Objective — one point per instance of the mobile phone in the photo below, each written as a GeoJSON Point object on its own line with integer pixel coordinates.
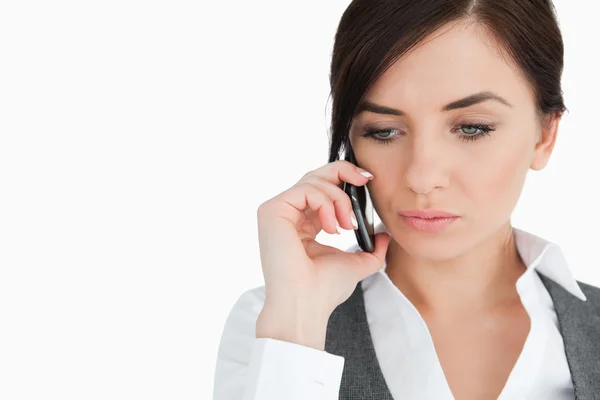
{"type": "Point", "coordinates": [363, 208]}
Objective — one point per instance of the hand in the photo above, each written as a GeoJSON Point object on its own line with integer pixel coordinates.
{"type": "Point", "coordinates": [305, 280]}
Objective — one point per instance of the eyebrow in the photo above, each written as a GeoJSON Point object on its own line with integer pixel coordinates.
{"type": "Point", "coordinates": [462, 103]}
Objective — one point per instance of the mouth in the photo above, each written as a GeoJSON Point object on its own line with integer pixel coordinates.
{"type": "Point", "coordinates": [428, 220]}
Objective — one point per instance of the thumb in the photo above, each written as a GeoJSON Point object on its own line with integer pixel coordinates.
{"type": "Point", "coordinates": [369, 263]}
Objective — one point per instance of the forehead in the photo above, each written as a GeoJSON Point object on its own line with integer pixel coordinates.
{"type": "Point", "coordinates": [455, 61]}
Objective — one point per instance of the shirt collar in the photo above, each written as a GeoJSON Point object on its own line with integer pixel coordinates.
{"type": "Point", "coordinates": [537, 253]}
{"type": "Point", "coordinates": [548, 259]}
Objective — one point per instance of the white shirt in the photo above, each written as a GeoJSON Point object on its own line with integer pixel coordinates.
{"type": "Point", "coordinates": [251, 368]}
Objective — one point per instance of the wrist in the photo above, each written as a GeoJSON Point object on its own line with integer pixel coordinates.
{"type": "Point", "coordinates": [295, 324]}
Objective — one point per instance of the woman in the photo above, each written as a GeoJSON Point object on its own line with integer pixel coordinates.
{"type": "Point", "coordinates": [446, 105]}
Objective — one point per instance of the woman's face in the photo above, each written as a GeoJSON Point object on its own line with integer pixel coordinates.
{"type": "Point", "coordinates": [432, 160]}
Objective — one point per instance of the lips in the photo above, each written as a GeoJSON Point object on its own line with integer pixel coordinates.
{"type": "Point", "coordinates": [427, 214]}
{"type": "Point", "coordinates": [428, 220]}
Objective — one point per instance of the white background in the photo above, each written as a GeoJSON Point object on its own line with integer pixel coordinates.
{"type": "Point", "coordinates": [138, 138]}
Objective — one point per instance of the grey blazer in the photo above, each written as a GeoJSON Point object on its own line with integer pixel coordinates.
{"type": "Point", "coordinates": [348, 335]}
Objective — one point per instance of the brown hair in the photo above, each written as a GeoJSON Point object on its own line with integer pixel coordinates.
{"type": "Point", "coordinates": [373, 34]}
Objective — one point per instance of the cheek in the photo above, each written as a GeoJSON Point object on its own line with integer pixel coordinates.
{"type": "Point", "coordinates": [382, 190]}
{"type": "Point", "coordinates": [496, 182]}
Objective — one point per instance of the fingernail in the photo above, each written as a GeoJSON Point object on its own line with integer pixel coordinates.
{"type": "Point", "coordinates": [366, 174]}
{"type": "Point", "coordinates": [353, 219]}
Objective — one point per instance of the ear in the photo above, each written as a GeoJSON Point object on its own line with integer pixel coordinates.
{"type": "Point", "coordinates": [546, 141]}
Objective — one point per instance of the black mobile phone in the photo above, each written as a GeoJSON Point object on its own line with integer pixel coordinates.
{"type": "Point", "coordinates": [363, 208]}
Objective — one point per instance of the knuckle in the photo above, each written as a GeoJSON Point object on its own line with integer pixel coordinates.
{"type": "Point", "coordinates": [343, 205]}
{"type": "Point", "coordinates": [301, 186]}
{"type": "Point", "coordinates": [304, 186]}
{"type": "Point", "coordinates": [344, 164]}
{"type": "Point", "coordinates": [307, 176]}
{"type": "Point", "coordinates": [312, 180]}
{"type": "Point", "coordinates": [262, 209]}
{"type": "Point", "coordinates": [340, 193]}
{"type": "Point", "coordinates": [345, 200]}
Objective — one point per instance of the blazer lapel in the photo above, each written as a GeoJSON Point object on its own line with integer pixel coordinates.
{"type": "Point", "coordinates": [579, 324]}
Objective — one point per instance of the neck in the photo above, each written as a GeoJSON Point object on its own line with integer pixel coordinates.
{"type": "Point", "coordinates": [482, 278]}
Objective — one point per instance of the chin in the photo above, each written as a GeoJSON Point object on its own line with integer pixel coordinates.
{"type": "Point", "coordinates": [435, 247]}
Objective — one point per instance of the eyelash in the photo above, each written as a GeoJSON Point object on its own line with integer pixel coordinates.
{"type": "Point", "coordinates": [484, 131]}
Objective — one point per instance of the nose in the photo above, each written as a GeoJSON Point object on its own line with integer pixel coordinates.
{"type": "Point", "coordinates": [426, 169]}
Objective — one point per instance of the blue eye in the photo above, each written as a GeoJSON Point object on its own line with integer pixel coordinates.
{"type": "Point", "coordinates": [471, 132]}
{"type": "Point", "coordinates": [379, 135]}
{"type": "Point", "coordinates": [484, 130]}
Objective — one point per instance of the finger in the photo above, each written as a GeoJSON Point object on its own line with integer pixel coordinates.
{"type": "Point", "coordinates": [341, 201]}
{"type": "Point", "coordinates": [292, 203]}
{"type": "Point", "coordinates": [311, 226]}
{"type": "Point", "coordinates": [341, 171]}
{"type": "Point", "coordinates": [369, 263]}
{"type": "Point", "coordinates": [315, 249]}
